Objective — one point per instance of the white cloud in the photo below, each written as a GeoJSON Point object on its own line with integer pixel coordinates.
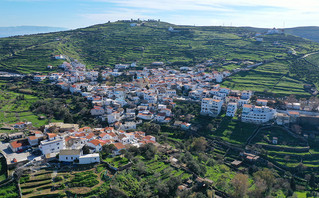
{"type": "Point", "coordinates": [261, 13]}
{"type": "Point", "coordinates": [305, 5]}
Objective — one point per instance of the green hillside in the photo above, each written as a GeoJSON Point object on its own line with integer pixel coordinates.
{"type": "Point", "coordinates": [113, 43]}
{"type": "Point", "coordinates": [307, 32]}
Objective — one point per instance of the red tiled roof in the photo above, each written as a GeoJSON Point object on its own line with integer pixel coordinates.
{"type": "Point", "coordinates": [102, 135]}
{"type": "Point", "coordinates": [16, 144]}
{"type": "Point", "coordinates": [90, 135]}
{"type": "Point", "coordinates": [51, 135]}
{"type": "Point", "coordinates": [119, 146]}
{"type": "Point", "coordinates": [79, 135]}
{"type": "Point", "coordinates": [32, 137]}
{"type": "Point", "coordinates": [112, 134]}
{"type": "Point", "coordinates": [97, 142]}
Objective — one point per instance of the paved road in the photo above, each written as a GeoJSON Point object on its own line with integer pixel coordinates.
{"type": "Point", "coordinates": [19, 156]}
{"type": "Point", "coordinates": [305, 56]}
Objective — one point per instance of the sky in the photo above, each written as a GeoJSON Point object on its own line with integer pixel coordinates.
{"type": "Point", "coordinates": [73, 14]}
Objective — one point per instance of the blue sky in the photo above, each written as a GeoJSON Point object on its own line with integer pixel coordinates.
{"type": "Point", "coordinates": [81, 13]}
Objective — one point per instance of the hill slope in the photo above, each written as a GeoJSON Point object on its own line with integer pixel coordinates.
{"type": "Point", "coordinates": [311, 32]}
{"type": "Point", "coordinates": [113, 43]}
{"type": "Point", "coordinates": [307, 32]}
{"type": "Point", "coordinates": [24, 30]}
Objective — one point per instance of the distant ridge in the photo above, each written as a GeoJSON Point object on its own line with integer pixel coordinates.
{"type": "Point", "coordinates": [308, 32]}
{"type": "Point", "coordinates": [25, 30]}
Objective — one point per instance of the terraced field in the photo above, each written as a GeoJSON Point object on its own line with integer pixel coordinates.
{"type": "Point", "coordinates": [269, 78]}
{"type": "Point", "coordinates": [314, 59]}
{"type": "Point", "coordinates": [233, 131]}
{"type": "Point", "coordinates": [290, 151]}
{"type": "Point", "coordinates": [44, 183]}
{"type": "Point", "coordinates": [165, 170]}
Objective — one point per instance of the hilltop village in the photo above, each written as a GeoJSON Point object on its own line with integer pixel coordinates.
{"type": "Point", "coordinates": [150, 96]}
{"type": "Point", "coordinates": [169, 129]}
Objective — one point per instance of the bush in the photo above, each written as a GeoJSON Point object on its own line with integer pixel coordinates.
{"type": "Point", "coordinates": [58, 178]}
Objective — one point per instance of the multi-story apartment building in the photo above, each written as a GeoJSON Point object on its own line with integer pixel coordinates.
{"type": "Point", "coordinates": [257, 114]}
{"type": "Point", "coordinates": [52, 145]}
{"type": "Point", "coordinates": [211, 107]}
{"type": "Point", "coordinates": [231, 109]}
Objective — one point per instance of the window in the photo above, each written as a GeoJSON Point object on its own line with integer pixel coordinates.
{"type": "Point", "coordinates": [71, 158]}
{"type": "Point", "coordinates": [57, 143]}
{"type": "Point", "coordinates": [66, 157]}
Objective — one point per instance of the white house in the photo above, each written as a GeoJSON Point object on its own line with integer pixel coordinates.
{"type": "Point", "coordinates": [118, 147]}
{"type": "Point", "coordinates": [69, 155]}
{"type": "Point", "coordinates": [146, 115]}
{"type": "Point", "coordinates": [17, 145]}
{"type": "Point", "coordinates": [60, 57]}
{"type": "Point", "coordinates": [20, 125]}
{"type": "Point", "coordinates": [96, 144]}
{"type": "Point", "coordinates": [122, 66]}
{"type": "Point", "coordinates": [113, 117]}
{"type": "Point", "coordinates": [167, 112]}
{"type": "Point", "coordinates": [97, 111]}
{"type": "Point", "coordinates": [224, 90]}
{"type": "Point", "coordinates": [242, 102]}
{"type": "Point", "coordinates": [295, 106]}
{"type": "Point", "coordinates": [53, 145]}
{"type": "Point", "coordinates": [128, 126]}
{"type": "Point", "coordinates": [89, 158]}
{"type": "Point", "coordinates": [262, 102]}
{"type": "Point", "coordinates": [246, 94]}
{"type": "Point", "coordinates": [282, 119]}
{"type": "Point", "coordinates": [33, 140]}
{"type": "Point", "coordinates": [160, 117]}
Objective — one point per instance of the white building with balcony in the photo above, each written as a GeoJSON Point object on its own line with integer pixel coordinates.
{"type": "Point", "coordinates": [257, 114]}
{"type": "Point", "coordinates": [53, 145]}
{"type": "Point", "coordinates": [211, 107]}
